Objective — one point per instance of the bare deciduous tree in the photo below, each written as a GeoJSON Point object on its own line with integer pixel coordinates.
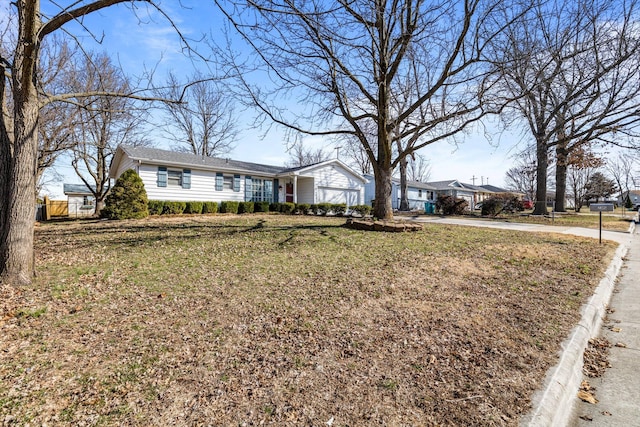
{"type": "Point", "coordinates": [299, 155]}
{"type": "Point", "coordinates": [574, 69]}
{"type": "Point", "coordinates": [20, 89]}
{"type": "Point", "coordinates": [582, 164]}
{"type": "Point", "coordinates": [413, 71]}
{"type": "Point", "coordinates": [104, 122]}
{"type": "Point", "coordinates": [622, 168]}
{"type": "Point", "coordinates": [204, 122]}
{"type": "Point", "coordinates": [522, 176]}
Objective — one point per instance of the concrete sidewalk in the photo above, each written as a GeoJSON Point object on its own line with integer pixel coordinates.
{"type": "Point", "coordinates": [618, 390]}
{"type": "Point", "coordinates": [556, 403]}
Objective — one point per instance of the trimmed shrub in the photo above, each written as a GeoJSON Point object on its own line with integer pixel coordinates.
{"type": "Point", "coordinates": [245, 207]}
{"type": "Point", "coordinates": [209, 207]}
{"type": "Point", "coordinates": [313, 209]}
{"type": "Point", "coordinates": [288, 208]}
{"type": "Point", "coordinates": [155, 207]}
{"type": "Point", "coordinates": [275, 207]}
{"type": "Point", "coordinates": [193, 208]}
{"type": "Point", "coordinates": [339, 209]}
{"type": "Point", "coordinates": [449, 205]}
{"type": "Point", "coordinates": [261, 207]}
{"type": "Point", "coordinates": [323, 208]}
{"type": "Point", "coordinates": [174, 208]}
{"type": "Point", "coordinates": [502, 203]}
{"type": "Point", "coordinates": [362, 210]}
{"type": "Point", "coordinates": [302, 208]}
{"type": "Point", "coordinates": [229, 207]}
{"type": "Point", "coordinates": [127, 199]}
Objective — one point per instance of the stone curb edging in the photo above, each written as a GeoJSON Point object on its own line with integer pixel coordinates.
{"type": "Point", "coordinates": [554, 404]}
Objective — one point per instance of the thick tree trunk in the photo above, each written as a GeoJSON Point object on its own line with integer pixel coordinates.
{"type": "Point", "coordinates": [16, 247]}
{"type": "Point", "coordinates": [404, 197]}
{"type": "Point", "coordinates": [561, 177]}
{"type": "Point", "coordinates": [540, 207]}
{"type": "Point", "coordinates": [383, 208]}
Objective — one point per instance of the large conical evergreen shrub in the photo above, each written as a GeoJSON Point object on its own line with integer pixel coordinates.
{"type": "Point", "coordinates": [127, 199]}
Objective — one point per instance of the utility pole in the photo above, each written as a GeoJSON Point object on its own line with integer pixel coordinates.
{"type": "Point", "coordinates": [473, 180]}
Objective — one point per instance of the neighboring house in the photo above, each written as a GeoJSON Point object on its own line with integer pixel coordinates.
{"type": "Point", "coordinates": [80, 200]}
{"type": "Point", "coordinates": [458, 190]}
{"type": "Point", "coordinates": [417, 192]}
{"type": "Point", "coordinates": [175, 176]}
{"type": "Point", "coordinates": [634, 195]}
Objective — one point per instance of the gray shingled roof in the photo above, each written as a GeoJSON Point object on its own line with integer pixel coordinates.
{"type": "Point", "coordinates": [416, 184]}
{"type": "Point", "coordinates": [157, 155]}
{"type": "Point", "coordinates": [75, 189]}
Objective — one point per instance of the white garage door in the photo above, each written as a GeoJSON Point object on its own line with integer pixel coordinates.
{"type": "Point", "coordinates": [338, 195]}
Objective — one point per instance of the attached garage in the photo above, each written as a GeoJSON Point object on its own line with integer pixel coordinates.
{"type": "Point", "coordinates": [350, 197]}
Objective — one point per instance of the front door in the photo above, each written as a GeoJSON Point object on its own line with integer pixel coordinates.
{"type": "Point", "coordinates": [288, 195]}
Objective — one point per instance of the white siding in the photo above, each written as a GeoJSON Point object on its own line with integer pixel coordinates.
{"type": "Point", "coordinates": [125, 165]}
{"type": "Point", "coordinates": [203, 187]}
{"type": "Point", "coordinates": [335, 178]}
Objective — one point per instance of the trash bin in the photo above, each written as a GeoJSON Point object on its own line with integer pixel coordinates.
{"type": "Point", "coordinates": [429, 208]}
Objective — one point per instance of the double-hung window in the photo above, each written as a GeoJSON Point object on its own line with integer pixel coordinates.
{"type": "Point", "coordinates": [174, 177]}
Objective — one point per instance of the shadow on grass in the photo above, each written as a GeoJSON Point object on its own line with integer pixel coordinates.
{"type": "Point", "coordinates": [113, 233]}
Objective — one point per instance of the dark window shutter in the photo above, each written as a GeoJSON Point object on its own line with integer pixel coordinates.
{"type": "Point", "coordinates": [162, 176]}
{"type": "Point", "coordinates": [276, 190]}
{"type": "Point", "coordinates": [219, 181]}
{"type": "Point", "coordinates": [186, 179]}
{"type": "Point", "coordinates": [236, 183]}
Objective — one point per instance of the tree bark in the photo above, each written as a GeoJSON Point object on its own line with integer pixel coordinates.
{"type": "Point", "coordinates": [541, 174]}
{"type": "Point", "coordinates": [383, 208]}
{"type": "Point", "coordinates": [404, 197]}
{"type": "Point", "coordinates": [16, 247]}
{"type": "Point", "coordinates": [561, 177]}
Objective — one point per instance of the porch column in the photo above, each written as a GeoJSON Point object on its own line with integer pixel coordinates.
{"type": "Point", "coordinates": [295, 188]}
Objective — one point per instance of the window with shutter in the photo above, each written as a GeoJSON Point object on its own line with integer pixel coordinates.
{"type": "Point", "coordinates": [236, 183]}
{"type": "Point", "coordinates": [186, 179]}
{"type": "Point", "coordinates": [219, 181]}
{"type": "Point", "coordinates": [162, 176]}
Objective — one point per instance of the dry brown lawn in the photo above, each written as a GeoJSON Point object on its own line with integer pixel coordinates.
{"type": "Point", "coordinates": [252, 320]}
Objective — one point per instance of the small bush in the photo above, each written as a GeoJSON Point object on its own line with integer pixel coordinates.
{"type": "Point", "coordinates": [209, 207]}
{"type": "Point", "coordinates": [302, 208]}
{"type": "Point", "coordinates": [229, 207]}
{"type": "Point", "coordinates": [261, 207]}
{"type": "Point", "coordinates": [449, 205]}
{"type": "Point", "coordinates": [287, 208]}
{"type": "Point", "coordinates": [324, 208]}
{"type": "Point", "coordinates": [193, 208]}
{"type": "Point", "coordinates": [174, 208]}
{"type": "Point", "coordinates": [362, 210]}
{"type": "Point", "coordinates": [502, 203]}
{"type": "Point", "coordinates": [275, 207]}
{"type": "Point", "coordinates": [339, 209]}
{"type": "Point", "coordinates": [127, 199]}
{"type": "Point", "coordinates": [245, 207]}
{"type": "Point", "coordinates": [313, 209]}
{"type": "Point", "coordinates": [155, 207]}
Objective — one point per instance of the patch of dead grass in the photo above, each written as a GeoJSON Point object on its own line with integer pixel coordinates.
{"type": "Point", "coordinates": [232, 320]}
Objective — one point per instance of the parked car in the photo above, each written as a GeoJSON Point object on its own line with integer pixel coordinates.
{"type": "Point", "coordinates": [527, 204]}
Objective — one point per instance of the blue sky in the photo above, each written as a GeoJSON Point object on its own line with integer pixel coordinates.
{"type": "Point", "coordinates": [145, 40]}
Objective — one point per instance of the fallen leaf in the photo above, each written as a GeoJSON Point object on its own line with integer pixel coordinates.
{"type": "Point", "coordinates": [586, 418]}
{"type": "Point", "coordinates": [606, 413]}
{"type": "Point", "coordinates": [621, 345]}
{"type": "Point", "coordinates": [587, 397]}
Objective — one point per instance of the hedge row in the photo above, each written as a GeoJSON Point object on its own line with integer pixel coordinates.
{"type": "Point", "coordinates": [160, 207]}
